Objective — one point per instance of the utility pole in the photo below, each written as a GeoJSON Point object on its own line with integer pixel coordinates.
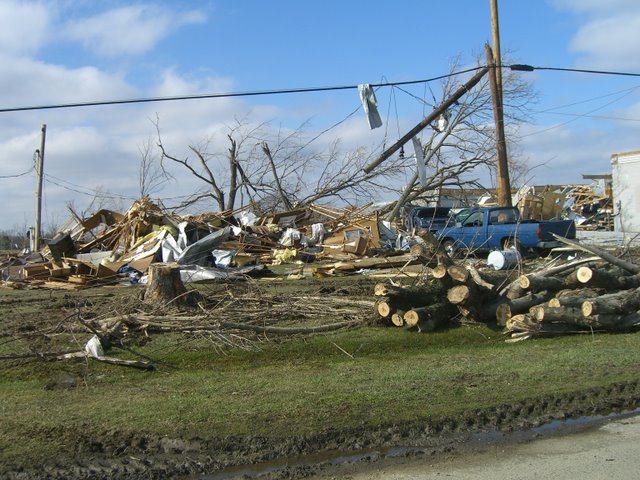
{"type": "Point", "coordinates": [495, 40]}
{"type": "Point", "coordinates": [502, 174]}
{"type": "Point", "coordinates": [39, 172]}
{"type": "Point", "coordinates": [495, 81]}
{"type": "Point", "coordinates": [428, 119]}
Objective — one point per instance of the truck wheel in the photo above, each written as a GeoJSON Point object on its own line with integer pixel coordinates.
{"type": "Point", "coordinates": [450, 247]}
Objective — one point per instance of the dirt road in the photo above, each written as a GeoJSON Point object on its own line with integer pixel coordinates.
{"type": "Point", "coordinates": [609, 451]}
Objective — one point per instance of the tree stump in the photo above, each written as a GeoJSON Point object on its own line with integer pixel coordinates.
{"type": "Point", "coordinates": [165, 286]}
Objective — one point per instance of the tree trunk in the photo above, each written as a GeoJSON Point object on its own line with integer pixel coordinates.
{"type": "Point", "coordinates": [598, 278]}
{"type": "Point", "coordinates": [538, 284]}
{"type": "Point", "coordinates": [615, 303]}
{"type": "Point", "coordinates": [165, 286]}
{"type": "Point", "coordinates": [427, 319]}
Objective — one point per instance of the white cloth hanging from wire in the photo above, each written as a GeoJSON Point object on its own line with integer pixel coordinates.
{"type": "Point", "coordinates": [422, 168]}
{"type": "Point", "coordinates": [370, 104]}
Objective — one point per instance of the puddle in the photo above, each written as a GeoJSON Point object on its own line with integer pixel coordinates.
{"type": "Point", "coordinates": [477, 440]}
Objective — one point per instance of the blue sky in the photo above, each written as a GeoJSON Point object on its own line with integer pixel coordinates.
{"type": "Point", "coordinates": [61, 51]}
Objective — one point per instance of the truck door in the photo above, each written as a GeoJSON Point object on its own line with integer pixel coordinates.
{"type": "Point", "coordinates": [502, 225]}
{"type": "Point", "coordinates": [473, 233]}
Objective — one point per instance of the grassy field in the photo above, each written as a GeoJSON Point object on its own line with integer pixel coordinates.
{"type": "Point", "coordinates": [367, 376]}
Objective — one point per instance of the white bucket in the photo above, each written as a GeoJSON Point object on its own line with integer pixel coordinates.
{"type": "Point", "coordinates": [502, 259]}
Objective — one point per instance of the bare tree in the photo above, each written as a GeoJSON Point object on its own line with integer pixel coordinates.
{"type": "Point", "coordinates": [468, 141]}
{"type": "Point", "coordinates": [151, 176]}
{"type": "Point", "coordinates": [276, 169]}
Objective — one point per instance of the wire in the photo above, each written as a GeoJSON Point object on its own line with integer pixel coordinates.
{"type": "Point", "coordinates": [19, 174]}
{"type": "Point", "coordinates": [229, 94]}
{"type": "Point", "coordinates": [529, 68]}
{"type": "Point", "coordinates": [515, 67]}
{"type": "Point", "coordinates": [577, 117]}
{"type": "Point", "coordinates": [90, 192]}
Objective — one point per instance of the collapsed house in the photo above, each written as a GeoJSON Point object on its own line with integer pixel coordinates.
{"type": "Point", "coordinates": [109, 247]}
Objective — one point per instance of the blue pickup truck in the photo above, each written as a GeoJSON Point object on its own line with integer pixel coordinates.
{"type": "Point", "coordinates": [427, 218]}
{"type": "Point", "coordinates": [499, 228]}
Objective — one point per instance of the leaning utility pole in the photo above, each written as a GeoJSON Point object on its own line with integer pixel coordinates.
{"type": "Point", "coordinates": [502, 165]}
{"type": "Point", "coordinates": [39, 171]}
{"type": "Point", "coordinates": [455, 96]}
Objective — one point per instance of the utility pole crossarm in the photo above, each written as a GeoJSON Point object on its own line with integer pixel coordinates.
{"type": "Point", "coordinates": [428, 119]}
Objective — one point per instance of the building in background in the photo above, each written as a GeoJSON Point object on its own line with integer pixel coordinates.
{"type": "Point", "coordinates": [625, 170]}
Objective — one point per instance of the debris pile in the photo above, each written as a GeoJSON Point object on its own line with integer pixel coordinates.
{"type": "Point", "coordinates": [585, 204]}
{"type": "Point", "coordinates": [111, 247]}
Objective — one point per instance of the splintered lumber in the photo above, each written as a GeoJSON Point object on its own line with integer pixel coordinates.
{"type": "Point", "coordinates": [614, 303]}
{"type": "Point", "coordinates": [428, 318]}
{"type": "Point", "coordinates": [599, 278]}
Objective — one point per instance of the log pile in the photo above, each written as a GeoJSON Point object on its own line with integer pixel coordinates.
{"type": "Point", "coordinates": [599, 293]}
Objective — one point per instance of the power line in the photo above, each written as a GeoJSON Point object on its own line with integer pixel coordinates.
{"type": "Point", "coordinates": [18, 174]}
{"type": "Point", "coordinates": [229, 94]}
{"type": "Point", "coordinates": [519, 67]}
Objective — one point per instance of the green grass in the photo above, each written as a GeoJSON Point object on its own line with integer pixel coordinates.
{"type": "Point", "coordinates": [299, 387]}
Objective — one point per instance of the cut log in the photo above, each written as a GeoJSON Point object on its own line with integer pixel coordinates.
{"type": "Point", "coordinates": [503, 314]}
{"type": "Point", "coordinates": [385, 308]}
{"type": "Point", "coordinates": [599, 278]}
{"type": "Point", "coordinates": [538, 284]}
{"type": "Point", "coordinates": [614, 303]}
{"type": "Point", "coordinates": [397, 318]}
{"type": "Point", "coordinates": [428, 318]}
{"type": "Point", "coordinates": [460, 294]}
{"type": "Point", "coordinates": [502, 309]}
{"type": "Point", "coordinates": [614, 323]}
{"type": "Point", "coordinates": [425, 253]}
{"type": "Point", "coordinates": [513, 290]}
{"type": "Point", "coordinates": [559, 315]}
{"type": "Point", "coordinates": [438, 272]}
{"type": "Point", "coordinates": [458, 273]}
{"type": "Point", "coordinates": [413, 296]}
{"type": "Point", "coordinates": [481, 282]}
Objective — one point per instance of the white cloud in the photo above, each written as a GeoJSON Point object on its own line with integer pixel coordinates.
{"type": "Point", "coordinates": [26, 82]}
{"type": "Point", "coordinates": [23, 26]}
{"type": "Point", "coordinates": [131, 30]}
{"type": "Point", "coordinates": [595, 6]}
{"type": "Point", "coordinates": [611, 42]}
{"type": "Point", "coordinates": [608, 37]}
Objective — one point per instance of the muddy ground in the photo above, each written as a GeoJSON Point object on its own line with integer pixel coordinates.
{"type": "Point", "coordinates": [115, 456]}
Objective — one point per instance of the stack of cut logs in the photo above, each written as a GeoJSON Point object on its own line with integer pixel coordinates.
{"type": "Point", "coordinates": [597, 293]}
